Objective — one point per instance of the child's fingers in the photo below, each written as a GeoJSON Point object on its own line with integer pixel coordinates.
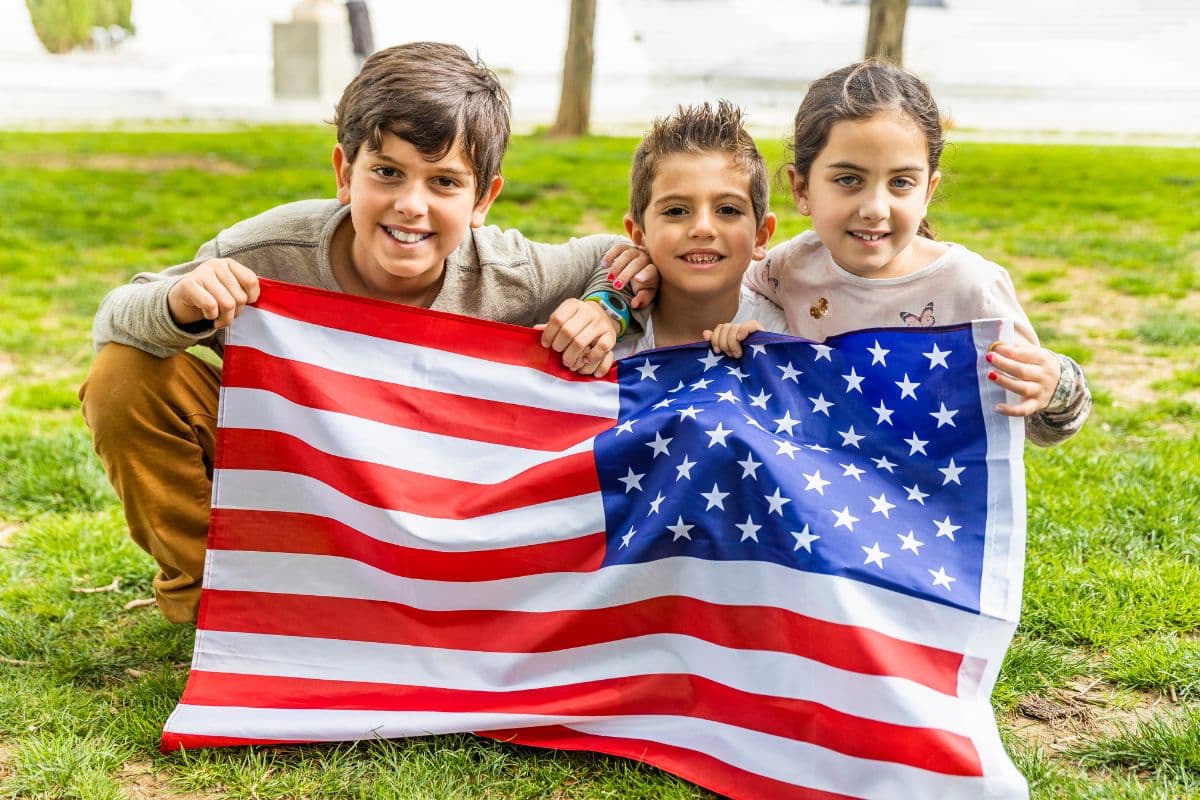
{"type": "Point", "coordinates": [247, 279]}
{"type": "Point", "coordinates": [1030, 393]}
{"type": "Point", "coordinates": [628, 266]}
{"type": "Point", "coordinates": [645, 296]}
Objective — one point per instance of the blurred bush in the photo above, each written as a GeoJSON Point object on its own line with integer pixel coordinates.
{"type": "Point", "coordinates": [63, 25]}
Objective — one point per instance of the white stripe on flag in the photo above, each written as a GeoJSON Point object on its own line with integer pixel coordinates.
{"type": "Point", "coordinates": [265, 490]}
{"type": "Point", "coordinates": [830, 598]}
{"type": "Point", "coordinates": [420, 367]}
{"type": "Point", "coordinates": [887, 699]}
{"type": "Point", "coordinates": [800, 762]}
{"type": "Point", "coordinates": [773, 756]}
{"type": "Point", "coordinates": [348, 436]}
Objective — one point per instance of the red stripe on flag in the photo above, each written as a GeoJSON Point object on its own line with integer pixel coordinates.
{"type": "Point", "coordinates": [507, 344]}
{"type": "Point", "coordinates": [847, 647]}
{"type": "Point", "coordinates": [172, 741]}
{"type": "Point", "coordinates": [675, 695]}
{"type": "Point", "coordinates": [406, 406]}
{"type": "Point", "coordinates": [402, 490]}
{"type": "Point", "coordinates": [288, 532]}
{"type": "Point", "coordinates": [692, 765]}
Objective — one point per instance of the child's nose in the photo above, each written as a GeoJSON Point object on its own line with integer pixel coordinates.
{"type": "Point", "coordinates": [874, 205]}
{"type": "Point", "coordinates": [411, 200]}
{"type": "Point", "coordinates": [702, 224]}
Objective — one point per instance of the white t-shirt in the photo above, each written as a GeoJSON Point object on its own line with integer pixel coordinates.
{"type": "Point", "coordinates": [820, 299]}
{"type": "Point", "coordinates": [750, 306]}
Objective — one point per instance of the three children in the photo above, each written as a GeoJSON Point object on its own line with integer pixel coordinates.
{"type": "Point", "coordinates": [421, 133]}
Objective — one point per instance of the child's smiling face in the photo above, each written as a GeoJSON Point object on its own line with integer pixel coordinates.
{"type": "Point", "coordinates": [699, 226]}
{"type": "Point", "coordinates": [409, 213]}
{"type": "Point", "coordinates": [867, 191]}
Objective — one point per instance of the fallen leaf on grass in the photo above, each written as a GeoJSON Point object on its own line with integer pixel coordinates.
{"type": "Point", "coordinates": [112, 587]}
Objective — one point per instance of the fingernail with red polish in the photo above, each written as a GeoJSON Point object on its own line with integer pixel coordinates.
{"type": "Point", "coordinates": [618, 284]}
{"type": "Point", "coordinates": [987, 358]}
{"type": "Point", "coordinates": [992, 375]}
{"type": "Point", "coordinates": [610, 276]}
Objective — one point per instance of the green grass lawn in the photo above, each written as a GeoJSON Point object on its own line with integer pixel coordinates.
{"type": "Point", "coordinates": [1100, 692]}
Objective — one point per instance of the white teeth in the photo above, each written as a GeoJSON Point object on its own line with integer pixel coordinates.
{"type": "Point", "coordinates": [869, 237]}
{"type": "Point", "coordinates": [405, 237]}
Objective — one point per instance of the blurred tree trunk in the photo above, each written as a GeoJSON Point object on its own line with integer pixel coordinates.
{"type": "Point", "coordinates": [885, 30]}
{"type": "Point", "coordinates": [575, 102]}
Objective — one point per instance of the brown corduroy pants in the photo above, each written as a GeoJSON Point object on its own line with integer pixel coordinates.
{"type": "Point", "coordinates": [154, 424]}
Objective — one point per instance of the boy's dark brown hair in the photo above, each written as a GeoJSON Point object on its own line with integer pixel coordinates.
{"type": "Point", "coordinates": [432, 95]}
{"type": "Point", "coordinates": [698, 129]}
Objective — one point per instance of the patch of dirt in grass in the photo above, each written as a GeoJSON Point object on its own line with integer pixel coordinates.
{"type": "Point", "coordinates": [1094, 314]}
{"type": "Point", "coordinates": [1086, 711]}
{"type": "Point", "coordinates": [5, 760]}
{"type": "Point", "coordinates": [118, 162]}
{"type": "Point", "coordinates": [7, 529]}
{"type": "Point", "coordinates": [141, 781]}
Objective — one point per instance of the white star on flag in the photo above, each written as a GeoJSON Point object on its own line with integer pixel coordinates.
{"type": "Point", "coordinates": [647, 369]}
{"type": "Point", "coordinates": [875, 555]}
{"type": "Point", "coordinates": [749, 529]}
{"type": "Point", "coordinates": [907, 388]}
{"type": "Point", "coordinates": [844, 519]}
{"type": "Point", "coordinates": [937, 357]}
{"type": "Point", "coordinates": [804, 539]}
{"type": "Point", "coordinates": [940, 578]}
{"type": "Point", "coordinates": [715, 498]}
{"type": "Point", "coordinates": [786, 423]}
{"type": "Point", "coordinates": [951, 471]}
{"type": "Point", "coordinates": [680, 529]}
{"type": "Point", "coordinates": [776, 501]}
{"type": "Point", "coordinates": [944, 416]}
{"type": "Point", "coordinates": [946, 528]}
{"type": "Point", "coordinates": [632, 481]}
{"type": "Point", "coordinates": [815, 482]}
{"type": "Point", "coordinates": [790, 373]}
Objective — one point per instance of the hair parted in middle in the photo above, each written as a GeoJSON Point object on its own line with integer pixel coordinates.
{"type": "Point", "coordinates": [860, 91]}
{"type": "Point", "coordinates": [434, 96]}
{"type": "Point", "coordinates": [698, 129]}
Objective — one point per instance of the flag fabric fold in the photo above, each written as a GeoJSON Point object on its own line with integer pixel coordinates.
{"type": "Point", "coordinates": [793, 574]}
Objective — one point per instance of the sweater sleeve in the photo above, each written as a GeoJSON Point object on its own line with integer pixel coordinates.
{"type": "Point", "coordinates": [1068, 408]}
{"type": "Point", "coordinates": [573, 269]}
{"type": "Point", "coordinates": [137, 314]}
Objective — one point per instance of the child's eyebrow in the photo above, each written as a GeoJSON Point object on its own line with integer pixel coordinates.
{"type": "Point", "coordinates": [859, 168]}
{"type": "Point", "coordinates": [462, 173]}
{"type": "Point", "coordinates": [680, 198]}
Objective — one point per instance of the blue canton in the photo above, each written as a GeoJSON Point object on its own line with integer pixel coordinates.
{"type": "Point", "coordinates": [863, 457]}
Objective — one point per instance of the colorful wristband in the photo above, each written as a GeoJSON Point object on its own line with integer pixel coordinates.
{"type": "Point", "coordinates": [615, 306]}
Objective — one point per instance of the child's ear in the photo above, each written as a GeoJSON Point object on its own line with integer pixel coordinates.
{"type": "Point", "coordinates": [934, 180]}
{"type": "Point", "coordinates": [799, 189]}
{"type": "Point", "coordinates": [636, 234]}
{"type": "Point", "coordinates": [480, 212]}
{"type": "Point", "coordinates": [341, 173]}
{"type": "Point", "coordinates": [765, 231]}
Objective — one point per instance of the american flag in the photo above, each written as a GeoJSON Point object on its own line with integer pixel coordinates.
{"type": "Point", "coordinates": [790, 575]}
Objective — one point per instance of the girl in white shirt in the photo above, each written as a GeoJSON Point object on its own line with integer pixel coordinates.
{"type": "Point", "coordinates": [865, 152]}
